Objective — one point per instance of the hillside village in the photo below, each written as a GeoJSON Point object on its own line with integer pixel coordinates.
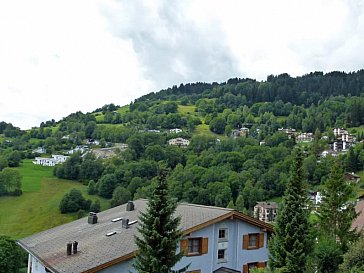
{"type": "Point", "coordinates": [226, 148]}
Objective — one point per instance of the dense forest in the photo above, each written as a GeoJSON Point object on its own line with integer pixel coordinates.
{"type": "Point", "coordinates": [216, 168]}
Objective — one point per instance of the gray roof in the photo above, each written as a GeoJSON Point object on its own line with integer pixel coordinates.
{"type": "Point", "coordinates": [95, 248]}
{"type": "Point", "coordinates": [267, 205]}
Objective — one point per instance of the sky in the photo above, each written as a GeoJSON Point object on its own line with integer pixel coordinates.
{"type": "Point", "coordinates": [62, 56]}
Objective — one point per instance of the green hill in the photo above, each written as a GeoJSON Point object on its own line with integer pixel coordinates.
{"type": "Point", "coordinates": [37, 208]}
{"type": "Point", "coordinates": [218, 162]}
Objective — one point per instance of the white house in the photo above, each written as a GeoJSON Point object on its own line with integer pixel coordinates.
{"type": "Point", "coordinates": [45, 161]}
{"type": "Point", "coordinates": [39, 150]}
{"type": "Point", "coordinates": [289, 131]}
{"type": "Point", "coordinates": [339, 132]}
{"type": "Point", "coordinates": [175, 131]}
{"type": "Point", "coordinates": [92, 142]}
{"type": "Point", "coordinates": [181, 142]}
{"type": "Point", "coordinates": [215, 240]}
{"type": "Point", "coordinates": [305, 137]}
{"type": "Point", "coordinates": [315, 197]}
{"type": "Point", "coordinates": [266, 211]}
{"type": "Point", "coordinates": [80, 149]}
{"type": "Point", "coordinates": [60, 158]}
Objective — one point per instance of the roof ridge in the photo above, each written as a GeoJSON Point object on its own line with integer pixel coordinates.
{"type": "Point", "coordinates": [205, 206]}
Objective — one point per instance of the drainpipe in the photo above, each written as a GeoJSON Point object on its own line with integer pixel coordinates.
{"type": "Point", "coordinates": [214, 246]}
{"type": "Point", "coordinates": [237, 245]}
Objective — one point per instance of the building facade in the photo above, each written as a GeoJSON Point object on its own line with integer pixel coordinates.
{"type": "Point", "coordinates": [46, 161]}
{"type": "Point", "coordinates": [266, 211]}
{"type": "Point", "coordinates": [215, 240]}
{"type": "Point", "coordinates": [180, 142]}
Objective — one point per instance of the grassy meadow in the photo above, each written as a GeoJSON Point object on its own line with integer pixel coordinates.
{"type": "Point", "coordinates": [37, 208]}
{"type": "Point", "coordinates": [186, 109]}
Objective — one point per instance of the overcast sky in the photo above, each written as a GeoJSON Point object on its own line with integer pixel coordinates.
{"type": "Point", "coordinates": [61, 56]}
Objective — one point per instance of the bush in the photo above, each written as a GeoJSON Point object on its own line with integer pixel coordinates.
{"type": "Point", "coordinates": [73, 202]}
{"type": "Point", "coordinates": [95, 206]}
{"type": "Point", "coordinates": [10, 255]}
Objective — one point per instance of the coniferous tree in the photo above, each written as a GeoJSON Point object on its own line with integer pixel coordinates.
{"type": "Point", "coordinates": [354, 258]}
{"type": "Point", "coordinates": [336, 212]}
{"type": "Point", "coordinates": [351, 161]}
{"type": "Point", "coordinates": [291, 240]}
{"type": "Point", "coordinates": [159, 233]}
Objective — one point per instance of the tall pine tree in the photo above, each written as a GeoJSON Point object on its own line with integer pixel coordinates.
{"type": "Point", "coordinates": [291, 242]}
{"type": "Point", "coordinates": [159, 233]}
{"type": "Point", "coordinates": [336, 212]}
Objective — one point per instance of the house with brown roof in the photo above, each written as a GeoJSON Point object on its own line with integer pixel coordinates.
{"type": "Point", "coordinates": [352, 177]}
{"type": "Point", "coordinates": [266, 211]}
{"type": "Point", "coordinates": [358, 223]}
{"type": "Point", "coordinates": [215, 240]}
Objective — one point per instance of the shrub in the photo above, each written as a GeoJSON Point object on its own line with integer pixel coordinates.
{"type": "Point", "coordinates": [73, 202]}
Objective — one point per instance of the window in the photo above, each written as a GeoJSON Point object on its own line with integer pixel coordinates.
{"type": "Point", "coordinates": [194, 246]}
{"type": "Point", "coordinates": [253, 241]}
{"type": "Point", "coordinates": [221, 254]}
{"type": "Point", "coordinates": [250, 266]}
{"type": "Point", "coordinates": [223, 234]}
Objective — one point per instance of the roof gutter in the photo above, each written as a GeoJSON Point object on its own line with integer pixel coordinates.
{"type": "Point", "coordinates": [45, 264]}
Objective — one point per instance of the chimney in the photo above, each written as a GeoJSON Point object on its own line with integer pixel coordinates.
{"type": "Point", "coordinates": [92, 218]}
{"type": "Point", "coordinates": [69, 248]}
{"type": "Point", "coordinates": [125, 223]}
{"type": "Point", "coordinates": [130, 206]}
{"type": "Point", "coordinates": [75, 244]}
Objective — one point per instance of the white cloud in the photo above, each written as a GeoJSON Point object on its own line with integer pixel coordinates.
{"type": "Point", "coordinates": [57, 57]}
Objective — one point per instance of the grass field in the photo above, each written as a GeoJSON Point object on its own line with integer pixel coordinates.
{"type": "Point", "coordinates": [123, 110]}
{"type": "Point", "coordinates": [186, 109]}
{"type": "Point", "coordinates": [37, 208]}
{"type": "Point", "coordinates": [203, 129]}
{"type": "Point", "coordinates": [281, 118]}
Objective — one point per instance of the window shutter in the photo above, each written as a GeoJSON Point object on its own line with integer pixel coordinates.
{"type": "Point", "coordinates": [261, 265]}
{"type": "Point", "coordinates": [261, 240]}
{"type": "Point", "coordinates": [184, 246]}
{"type": "Point", "coordinates": [245, 241]}
{"type": "Point", "coordinates": [245, 268]}
{"type": "Point", "coordinates": [205, 245]}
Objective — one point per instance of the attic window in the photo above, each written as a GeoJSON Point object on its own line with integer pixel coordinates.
{"type": "Point", "coordinates": [117, 219]}
{"type": "Point", "coordinates": [110, 233]}
{"type": "Point", "coordinates": [133, 222]}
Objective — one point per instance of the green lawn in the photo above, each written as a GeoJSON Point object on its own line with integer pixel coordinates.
{"type": "Point", "coordinates": [203, 129]}
{"type": "Point", "coordinates": [99, 117]}
{"type": "Point", "coordinates": [186, 109]}
{"type": "Point", "coordinates": [281, 118]}
{"type": "Point", "coordinates": [123, 110]}
{"type": "Point", "coordinates": [37, 208]}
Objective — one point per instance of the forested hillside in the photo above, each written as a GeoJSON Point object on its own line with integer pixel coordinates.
{"type": "Point", "coordinates": [234, 153]}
